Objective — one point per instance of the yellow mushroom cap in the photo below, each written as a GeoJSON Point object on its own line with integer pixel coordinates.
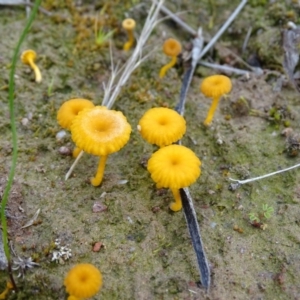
{"type": "Point", "coordinates": [83, 281]}
{"type": "Point", "coordinates": [70, 109]}
{"type": "Point", "coordinates": [28, 55]}
{"type": "Point", "coordinates": [215, 86]}
{"type": "Point", "coordinates": [171, 47]}
{"type": "Point", "coordinates": [100, 131]}
{"type": "Point", "coordinates": [162, 126]}
{"type": "Point", "coordinates": [128, 24]}
{"type": "Point", "coordinates": [174, 166]}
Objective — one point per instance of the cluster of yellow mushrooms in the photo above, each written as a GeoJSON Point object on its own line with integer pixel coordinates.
{"type": "Point", "coordinates": [100, 131]}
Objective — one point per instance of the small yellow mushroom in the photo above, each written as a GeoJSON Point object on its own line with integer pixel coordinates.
{"type": "Point", "coordinates": [28, 57]}
{"type": "Point", "coordinates": [171, 48]}
{"type": "Point", "coordinates": [162, 126]}
{"type": "Point", "coordinates": [100, 131]}
{"type": "Point", "coordinates": [83, 281]}
{"type": "Point", "coordinates": [214, 87]}
{"type": "Point", "coordinates": [174, 167]}
{"type": "Point", "coordinates": [129, 25]}
{"type": "Point", "coordinates": [67, 113]}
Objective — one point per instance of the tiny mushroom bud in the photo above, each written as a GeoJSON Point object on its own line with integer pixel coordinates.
{"type": "Point", "coordinates": [68, 111]}
{"type": "Point", "coordinates": [28, 57]}
{"type": "Point", "coordinates": [214, 87]}
{"type": "Point", "coordinates": [100, 132]}
{"type": "Point", "coordinates": [171, 48]}
{"type": "Point", "coordinates": [129, 25]}
{"type": "Point", "coordinates": [162, 126]}
{"type": "Point", "coordinates": [174, 167]}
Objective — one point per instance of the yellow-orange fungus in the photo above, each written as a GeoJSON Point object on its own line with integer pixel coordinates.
{"type": "Point", "coordinates": [100, 132]}
{"type": "Point", "coordinates": [171, 48]}
{"type": "Point", "coordinates": [9, 287]}
{"type": "Point", "coordinates": [70, 109]}
{"type": "Point", "coordinates": [83, 281]}
{"type": "Point", "coordinates": [129, 25]}
{"type": "Point", "coordinates": [162, 126]}
{"type": "Point", "coordinates": [28, 57]}
{"type": "Point", "coordinates": [214, 87]}
{"type": "Point", "coordinates": [174, 167]}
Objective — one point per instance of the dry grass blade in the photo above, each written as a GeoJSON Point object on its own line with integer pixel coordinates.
{"type": "Point", "coordinates": [113, 87]}
{"type": "Point", "coordinates": [112, 90]}
{"type": "Point", "coordinates": [291, 39]}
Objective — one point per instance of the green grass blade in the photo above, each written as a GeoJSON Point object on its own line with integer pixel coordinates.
{"type": "Point", "coordinates": [13, 127]}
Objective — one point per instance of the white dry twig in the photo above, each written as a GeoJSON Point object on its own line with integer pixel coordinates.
{"type": "Point", "coordinates": [239, 182]}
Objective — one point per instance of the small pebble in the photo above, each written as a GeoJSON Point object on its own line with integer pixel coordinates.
{"type": "Point", "coordinates": [287, 131]}
{"type": "Point", "coordinates": [99, 207]}
{"type": "Point", "coordinates": [64, 150]}
{"type": "Point", "coordinates": [122, 181]}
{"type": "Point", "coordinates": [24, 122]}
{"type": "Point", "coordinates": [97, 247]}
{"type": "Point", "coordinates": [155, 209]}
{"type": "Point", "coordinates": [60, 135]}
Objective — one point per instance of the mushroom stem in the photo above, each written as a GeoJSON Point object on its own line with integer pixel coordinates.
{"type": "Point", "coordinates": [177, 205]}
{"type": "Point", "coordinates": [9, 286]}
{"type": "Point", "coordinates": [211, 111]}
{"type": "Point", "coordinates": [130, 41]}
{"type": "Point", "coordinates": [36, 70]}
{"type": "Point", "coordinates": [76, 152]}
{"type": "Point", "coordinates": [166, 67]}
{"type": "Point", "coordinates": [100, 171]}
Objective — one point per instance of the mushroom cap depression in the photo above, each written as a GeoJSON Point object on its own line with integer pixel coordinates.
{"type": "Point", "coordinates": [162, 126]}
{"type": "Point", "coordinates": [128, 24]}
{"type": "Point", "coordinates": [100, 131]}
{"type": "Point", "coordinates": [83, 281]}
{"type": "Point", "coordinates": [171, 47]}
{"type": "Point", "coordinates": [70, 109]}
{"type": "Point", "coordinates": [174, 167]}
{"type": "Point", "coordinates": [215, 86]}
{"type": "Point", "coordinates": [28, 55]}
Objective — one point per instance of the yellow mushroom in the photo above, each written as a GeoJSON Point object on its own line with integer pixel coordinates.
{"type": "Point", "coordinates": [68, 111]}
{"type": "Point", "coordinates": [83, 281]}
{"type": "Point", "coordinates": [9, 287]}
{"type": "Point", "coordinates": [214, 87]}
{"type": "Point", "coordinates": [171, 48]}
{"type": "Point", "coordinates": [162, 126]}
{"type": "Point", "coordinates": [174, 167]}
{"type": "Point", "coordinates": [100, 132]}
{"type": "Point", "coordinates": [129, 25]}
{"type": "Point", "coordinates": [28, 57]}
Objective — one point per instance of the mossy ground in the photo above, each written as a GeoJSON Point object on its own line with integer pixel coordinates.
{"type": "Point", "coordinates": [147, 252]}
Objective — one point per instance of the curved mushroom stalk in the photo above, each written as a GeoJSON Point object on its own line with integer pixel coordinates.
{"type": "Point", "coordinates": [95, 181]}
{"type": "Point", "coordinates": [36, 70]}
{"type": "Point", "coordinates": [76, 152]}
{"type": "Point", "coordinates": [211, 111]}
{"type": "Point", "coordinates": [168, 66]}
{"type": "Point", "coordinates": [177, 204]}
{"type": "Point", "coordinates": [129, 25]}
